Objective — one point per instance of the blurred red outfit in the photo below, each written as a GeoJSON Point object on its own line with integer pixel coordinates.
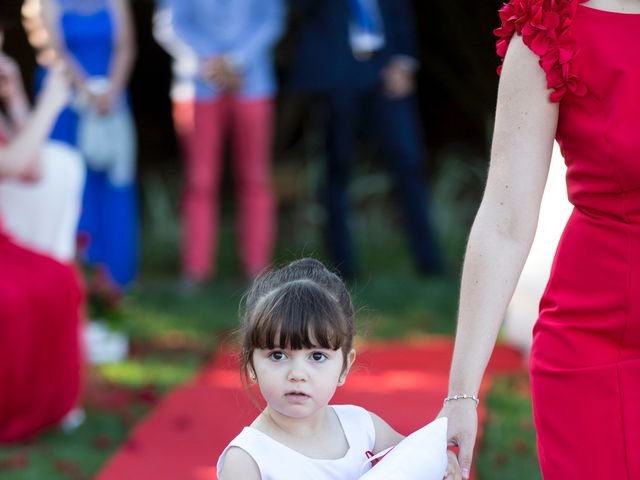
{"type": "Point", "coordinates": [585, 361]}
{"type": "Point", "coordinates": [203, 127]}
{"type": "Point", "coordinates": [39, 341]}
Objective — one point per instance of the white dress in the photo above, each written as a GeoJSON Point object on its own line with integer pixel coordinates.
{"type": "Point", "coordinates": [279, 462]}
{"type": "Point", "coordinates": [43, 215]}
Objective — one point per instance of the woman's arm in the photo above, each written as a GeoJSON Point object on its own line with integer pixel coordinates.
{"type": "Point", "coordinates": [51, 21]}
{"type": "Point", "coordinates": [125, 48]}
{"type": "Point", "coordinates": [19, 156]}
{"type": "Point", "coordinates": [502, 232]}
{"type": "Point", "coordinates": [121, 65]}
{"type": "Point", "coordinates": [12, 92]}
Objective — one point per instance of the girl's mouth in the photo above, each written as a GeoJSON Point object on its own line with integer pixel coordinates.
{"type": "Point", "coordinates": [297, 395]}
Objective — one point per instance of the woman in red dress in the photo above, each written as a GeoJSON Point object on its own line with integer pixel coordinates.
{"type": "Point", "coordinates": [39, 297]}
{"type": "Point", "coordinates": [571, 72]}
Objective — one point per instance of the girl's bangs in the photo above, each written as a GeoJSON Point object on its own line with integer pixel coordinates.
{"type": "Point", "coordinates": [302, 317]}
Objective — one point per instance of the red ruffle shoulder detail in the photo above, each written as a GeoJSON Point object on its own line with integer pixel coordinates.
{"type": "Point", "coordinates": [545, 26]}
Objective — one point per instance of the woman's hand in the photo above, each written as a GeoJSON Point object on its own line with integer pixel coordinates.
{"type": "Point", "coordinates": [462, 429]}
{"type": "Point", "coordinates": [103, 102]}
{"type": "Point", "coordinates": [100, 94]}
{"type": "Point", "coordinates": [453, 467]}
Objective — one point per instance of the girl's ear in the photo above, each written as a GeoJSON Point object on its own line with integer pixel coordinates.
{"type": "Point", "coordinates": [351, 357]}
{"type": "Point", "coordinates": [252, 375]}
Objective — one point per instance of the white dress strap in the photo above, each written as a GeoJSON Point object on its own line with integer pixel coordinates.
{"type": "Point", "coordinates": [358, 427]}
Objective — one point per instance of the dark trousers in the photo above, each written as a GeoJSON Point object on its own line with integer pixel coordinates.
{"type": "Point", "coordinates": [395, 128]}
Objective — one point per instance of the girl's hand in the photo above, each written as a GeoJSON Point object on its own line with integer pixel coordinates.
{"type": "Point", "coordinates": [462, 418]}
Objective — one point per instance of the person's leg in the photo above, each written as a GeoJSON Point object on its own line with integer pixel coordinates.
{"type": "Point", "coordinates": [201, 192]}
{"type": "Point", "coordinates": [252, 142]}
{"type": "Point", "coordinates": [119, 232]}
{"type": "Point", "coordinates": [339, 127]}
{"type": "Point", "coordinates": [398, 133]}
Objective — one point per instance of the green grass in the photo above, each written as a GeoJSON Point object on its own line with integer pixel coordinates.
{"type": "Point", "coordinates": [56, 455]}
{"type": "Point", "coordinates": [508, 449]}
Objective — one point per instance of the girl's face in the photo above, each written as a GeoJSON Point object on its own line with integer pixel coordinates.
{"type": "Point", "coordinates": [298, 383]}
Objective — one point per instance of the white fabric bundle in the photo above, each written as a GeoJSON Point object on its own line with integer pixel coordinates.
{"type": "Point", "coordinates": [420, 456]}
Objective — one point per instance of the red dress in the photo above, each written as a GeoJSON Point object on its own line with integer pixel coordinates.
{"type": "Point", "coordinates": [585, 363]}
{"type": "Point", "coordinates": [39, 341]}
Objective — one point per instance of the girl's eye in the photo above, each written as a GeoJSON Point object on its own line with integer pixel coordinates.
{"type": "Point", "coordinates": [277, 356]}
{"type": "Point", "coordinates": [318, 356]}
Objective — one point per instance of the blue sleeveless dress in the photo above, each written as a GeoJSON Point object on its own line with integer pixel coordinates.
{"type": "Point", "coordinates": [109, 212]}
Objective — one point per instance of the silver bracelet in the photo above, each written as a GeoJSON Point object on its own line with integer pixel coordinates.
{"type": "Point", "coordinates": [462, 397]}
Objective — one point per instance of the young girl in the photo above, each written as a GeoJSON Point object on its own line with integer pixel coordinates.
{"type": "Point", "coordinates": [297, 345]}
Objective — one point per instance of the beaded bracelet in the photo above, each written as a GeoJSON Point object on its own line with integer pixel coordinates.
{"type": "Point", "coordinates": [462, 397]}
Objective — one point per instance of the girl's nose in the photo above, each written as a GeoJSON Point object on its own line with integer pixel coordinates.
{"type": "Point", "coordinates": [297, 373]}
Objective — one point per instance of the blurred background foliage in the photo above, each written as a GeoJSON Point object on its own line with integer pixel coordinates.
{"type": "Point", "coordinates": [457, 85]}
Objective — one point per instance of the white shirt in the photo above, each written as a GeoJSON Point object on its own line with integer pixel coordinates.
{"type": "Point", "coordinates": [367, 39]}
{"type": "Point", "coordinates": [279, 462]}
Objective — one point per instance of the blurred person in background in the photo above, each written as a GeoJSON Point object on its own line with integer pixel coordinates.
{"type": "Point", "coordinates": [224, 85]}
{"type": "Point", "coordinates": [184, 69]}
{"type": "Point", "coordinates": [359, 58]}
{"type": "Point", "coordinates": [95, 40]}
{"type": "Point", "coordinates": [40, 297]}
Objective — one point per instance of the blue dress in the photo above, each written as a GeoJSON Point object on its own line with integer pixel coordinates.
{"type": "Point", "coordinates": [109, 212]}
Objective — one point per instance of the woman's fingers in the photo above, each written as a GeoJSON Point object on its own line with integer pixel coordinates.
{"type": "Point", "coordinates": [465, 457]}
{"type": "Point", "coordinates": [462, 418]}
{"type": "Point", "coordinates": [453, 467]}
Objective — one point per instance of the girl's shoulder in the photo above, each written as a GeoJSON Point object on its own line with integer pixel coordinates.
{"type": "Point", "coordinates": [238, 463]}
{"type": "Point", "coordinates": [241, 450]}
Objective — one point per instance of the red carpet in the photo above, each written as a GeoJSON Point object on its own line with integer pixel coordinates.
{"type": "Point", "coordinates": [181, 439]}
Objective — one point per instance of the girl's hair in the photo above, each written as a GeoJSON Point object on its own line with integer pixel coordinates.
{"type": "Point", "coordinates": [301, 305]}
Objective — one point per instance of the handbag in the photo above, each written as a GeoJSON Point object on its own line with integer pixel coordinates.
{"type": "Point", "coordinates": [107, 141]}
